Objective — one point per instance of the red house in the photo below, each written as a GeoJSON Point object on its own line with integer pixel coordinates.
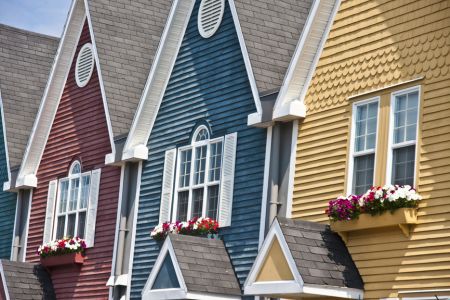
{"type": "Point", "coordinates": [69, 173]}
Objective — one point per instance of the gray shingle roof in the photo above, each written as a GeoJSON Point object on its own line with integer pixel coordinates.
{"type": "Point", "coordinates": [205, 265]}
{"type": "Point", "coordinates": [27, 281]}
{"type": "Point", "coordinates": [127, 35]}
{"type": "Point", "coordinates": [271, 30]}
{"type": "Point", "coordinates": [25, 62]}
{"type": "Point", "coordinates": [320, 254]}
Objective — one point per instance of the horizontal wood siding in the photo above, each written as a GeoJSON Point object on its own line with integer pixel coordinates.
{"type": "Point", "coordinates": [79, 131]}
{"type": "Point", "coordinates": [374, 44]}
{"type": "Point", "coordinates": [209, 82]}
{"type": "Point", "coordinates": [7, 205]}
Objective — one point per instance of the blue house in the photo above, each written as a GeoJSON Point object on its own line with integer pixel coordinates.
{"type": "Point", "coordinates": [202, 142]}
{"type": "Point", "coordinates": [25, 62]}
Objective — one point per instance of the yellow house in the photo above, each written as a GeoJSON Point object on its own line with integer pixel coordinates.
{"type": "Point", "coordinates": [377, 111]}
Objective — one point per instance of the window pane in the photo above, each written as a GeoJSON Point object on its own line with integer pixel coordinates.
{"type": "Point", "coordinates": [213, 201]}
{"type": "Point", "coordinates": [202, 135]}
{"type": "Point", "coordinates": [60, 227]}
{"type": "Point", "coordinates": [363, 173]}
{"type": "Point", "coordinates": [199, 165]}
{"type": "Point", "coordinates": [366, 126]}
{"type": "Point", "coordinates": [81, 224]}
{"type": "Point", "coordinates": [75, 185]}
{"type": "Point", "coordinates": [70, 225]}
{"type": "Point", "coordinates": [185, 167]}
{"type": "Point", "coordinates": [405, 117]}
{"type": "Point", "coordinates": [215, 162]}
{"type": "Point", "coordinates": [403, 165]}
{"type": "Point", "coordinates": [63, 196]}
{"type": "Point", "coordinates": [183, 198]}
{"type": "Point", "coordinates": [85, 183]}
{"type": "Point", "coordinates": [76, 168]}
{"type": "Point", "coordinates": [197, 203]}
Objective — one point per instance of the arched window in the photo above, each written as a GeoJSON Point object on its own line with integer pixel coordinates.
{"type": "Point", "coordinates": [198, 177]}
{"type": "Point", "coordinates": [73, 198]}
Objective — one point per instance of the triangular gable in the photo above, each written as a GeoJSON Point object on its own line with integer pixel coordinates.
{"type": "Point", "coordinates": [55, 86]}
{"type": "Point", "coordinates": [135, 147]}
{"type": "Point", "coordinates": [290, 101]}
{"type": "Point", "coordinates": [165, 265]}
{"type": "Point", "coordinates": [275, 266]}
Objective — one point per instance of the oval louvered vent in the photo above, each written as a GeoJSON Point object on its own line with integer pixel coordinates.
{"type": "Point", "coordinates": [85, 65]}
{"type": "Point", "coordinates": [209, 16]}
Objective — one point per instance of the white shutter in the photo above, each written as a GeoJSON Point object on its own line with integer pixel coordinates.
{"type": "Point", "coordinates": [51, 198]}
{"type": "Point", "coordinates": [167, 185]}
{"type": "Point", "coordinates": [227, 180]}
{"type": "Point", "coordinates": [92, 207]}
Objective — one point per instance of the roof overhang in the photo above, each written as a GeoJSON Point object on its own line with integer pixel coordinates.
{"type": "Point", "coordinates": [289, 288]}
{"type": "Point", "coordinates": [290, 103]}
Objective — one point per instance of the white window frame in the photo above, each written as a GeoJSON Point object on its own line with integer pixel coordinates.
{"type": "Point", "coordinates": [206, 182]}
{"type": "Point", "coordinates": [391, 146]}
{"type": "Point", "coordinates": [77, 211]}
{"type": "Point", "coordinates": [352, 154]}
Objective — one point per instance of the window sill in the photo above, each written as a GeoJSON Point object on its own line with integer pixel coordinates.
{"type": "Point", "coordinates": [62, 260]}
{"type": "Point", "coordinates": [402, 217]}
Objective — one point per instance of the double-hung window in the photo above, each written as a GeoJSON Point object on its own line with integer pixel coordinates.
{"type": "Point", "coordinates": [403, 135]}
{"type": "Point", "coordinates": [364, 143]}
{"type": "Point", "coordinates": [198, 179]}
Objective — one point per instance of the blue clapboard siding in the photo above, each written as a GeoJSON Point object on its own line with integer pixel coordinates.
{"type": "Point", "coordinates": [7, 204]}
{"type": "Point", "coordinates": [209, 83]}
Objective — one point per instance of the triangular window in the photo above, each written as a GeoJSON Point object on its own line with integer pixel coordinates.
{"type": "Point", "coordinates": [166, 278]}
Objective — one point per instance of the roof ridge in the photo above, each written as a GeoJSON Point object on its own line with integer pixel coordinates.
{"type": "Point", "coordinates": [29, 32]}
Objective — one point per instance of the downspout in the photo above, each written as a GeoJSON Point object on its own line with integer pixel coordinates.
{"type": "Point", "coordinates": [122, 224]}
{"type": "Point", "coordinates": [274, 174]}
{"type": "Point", "coordinates": [16, 239]}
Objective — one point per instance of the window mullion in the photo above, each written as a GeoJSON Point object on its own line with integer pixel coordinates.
{"type": "Point", "coordinates": [77, 206]}
{"type": "Point", "coordinates": [205, 182]}
{"type": "Point", "coordinates": [191, 180]}
{"type": "Point", "coordinates": [67, 207]}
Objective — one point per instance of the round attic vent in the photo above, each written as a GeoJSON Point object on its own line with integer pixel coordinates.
{"type": "Point", "coordinates": [85, 65]}
{"type": "Point", "coordinates": [210, 15]}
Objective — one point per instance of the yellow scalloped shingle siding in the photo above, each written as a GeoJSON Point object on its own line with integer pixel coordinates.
{"type": "Point", "coordinates": [372, 45]}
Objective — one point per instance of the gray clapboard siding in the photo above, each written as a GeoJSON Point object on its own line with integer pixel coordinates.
{"type": "Point", "coordinates": [209, 83]}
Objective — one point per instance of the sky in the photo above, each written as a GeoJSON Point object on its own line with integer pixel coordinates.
{"type": "Point", "coordinates": [43, 16]}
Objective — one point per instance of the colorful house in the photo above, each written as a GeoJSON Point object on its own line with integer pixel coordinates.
{"type": "Point", "coordinates": [203, 139]}
{"type": "Point", "coordinates": [25, 62]}
{"type": "Point", "coordinates": [377, 113]}
{"type": "Point", "coordinates": [73, 189]}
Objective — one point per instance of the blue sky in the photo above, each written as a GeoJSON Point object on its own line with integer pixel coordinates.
{"type": "Point", "coordinates": [43, 16]}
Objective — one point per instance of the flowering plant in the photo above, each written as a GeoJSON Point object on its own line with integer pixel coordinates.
{"type": "Point", "coordinates": [195, 226]}
{"type": "Point", "coordinates": [375, 201]}
{"type": "Point", "coordinates": [61, 247]}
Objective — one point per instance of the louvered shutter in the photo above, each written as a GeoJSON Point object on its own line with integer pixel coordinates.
{"type": "Point", "coordinates": [50, 211]}
{"type": "Point", "coordinates": [227, 180]}
{"type": "Point", "coordinates": [167, 185]}
{"type": "Point", "coordinates": [92, 207]}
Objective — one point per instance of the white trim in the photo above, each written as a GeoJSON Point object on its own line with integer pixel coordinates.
{"type": "Point", "coordinates": [262, 226]}
{"type": "Point", "coordinates": [100, 79]}
{"type": "Point", "coordinates": [172, 293]}
{"type": "Point", "coordinates": [207, 296]}
{"type": "Point", "coordinates": [333, 291]}
{"type": "Point", "coordinates": [5, 286]}
{"type": "Point", "coordinates": [290, 101]}
{"type": "Point", "coordinates": [351, 152]}
{"type": "Point", "coordinates": [256, 117]}
{"type": "Point", "coordinates": [426, 298]}
{"type": "Point", "coordinates": [293, 160]}
{"type": "Point", "coordinates": [423, 291]}
{"type": "Point", "coordinates": [391, 146]}
{"type": "Point", "coordinates": [159, 76]}
{"type": "Point", "coordinates": [53, 93]}
{"type": "Point", "coordinates": [201, 30]}
{"type": "Point", "coordinates": [14, 229]}
{"type": "Point", "coordinates": [83, 83]}
{"type": "Point", "coordinates": [6, 143]}
{"type": "Point", "coordinates": [133, 234]}
{"type": "Point", "coordinates": [385, 88]}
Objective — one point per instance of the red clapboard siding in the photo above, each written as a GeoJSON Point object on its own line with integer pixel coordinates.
{"type": "Point", "coordinates": [79, 131]}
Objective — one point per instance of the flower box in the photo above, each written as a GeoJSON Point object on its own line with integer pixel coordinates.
{"type": "Point", "coordinates": [62, 260]}
{"type": "Point", "coordinates": [402, 217]}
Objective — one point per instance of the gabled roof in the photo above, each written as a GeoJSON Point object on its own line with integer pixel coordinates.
{"type": "Point", "coordinates": [203, 268]}
{"type": "Point", "coordinates": [127, 35]}
{"type": "Point", "coordinates": [271, 30]}
{"type": "Point", "coordinates": [25, 281]}
{"type": "Point", "coordinates": [318, 260]}
{"type": "Point", "coordinates": [25, 61]}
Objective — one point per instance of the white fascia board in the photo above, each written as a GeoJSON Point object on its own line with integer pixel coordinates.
{"type": "Point", "coordinates": [158, 78]}
{"type": "Point", "coordinates": [209, 296]}
{"type": "Point", "coordinates": [53, 91]}
{"type": "Point", "coordinates": [3, 124]}
{"type": "Point", "coordinates": [290, 102]}
{"type": "Point", "coordinates": [27, 181]}
{"type": "Point", "coordinates": [139, 152]}
{"type": "Point", "coordinates": [333, 291]}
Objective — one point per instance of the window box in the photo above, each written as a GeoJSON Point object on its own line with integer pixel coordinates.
{"type": "Point", "coordinates": [402, 217]}
{"type": "Point", "coordinates": [62, 260]}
